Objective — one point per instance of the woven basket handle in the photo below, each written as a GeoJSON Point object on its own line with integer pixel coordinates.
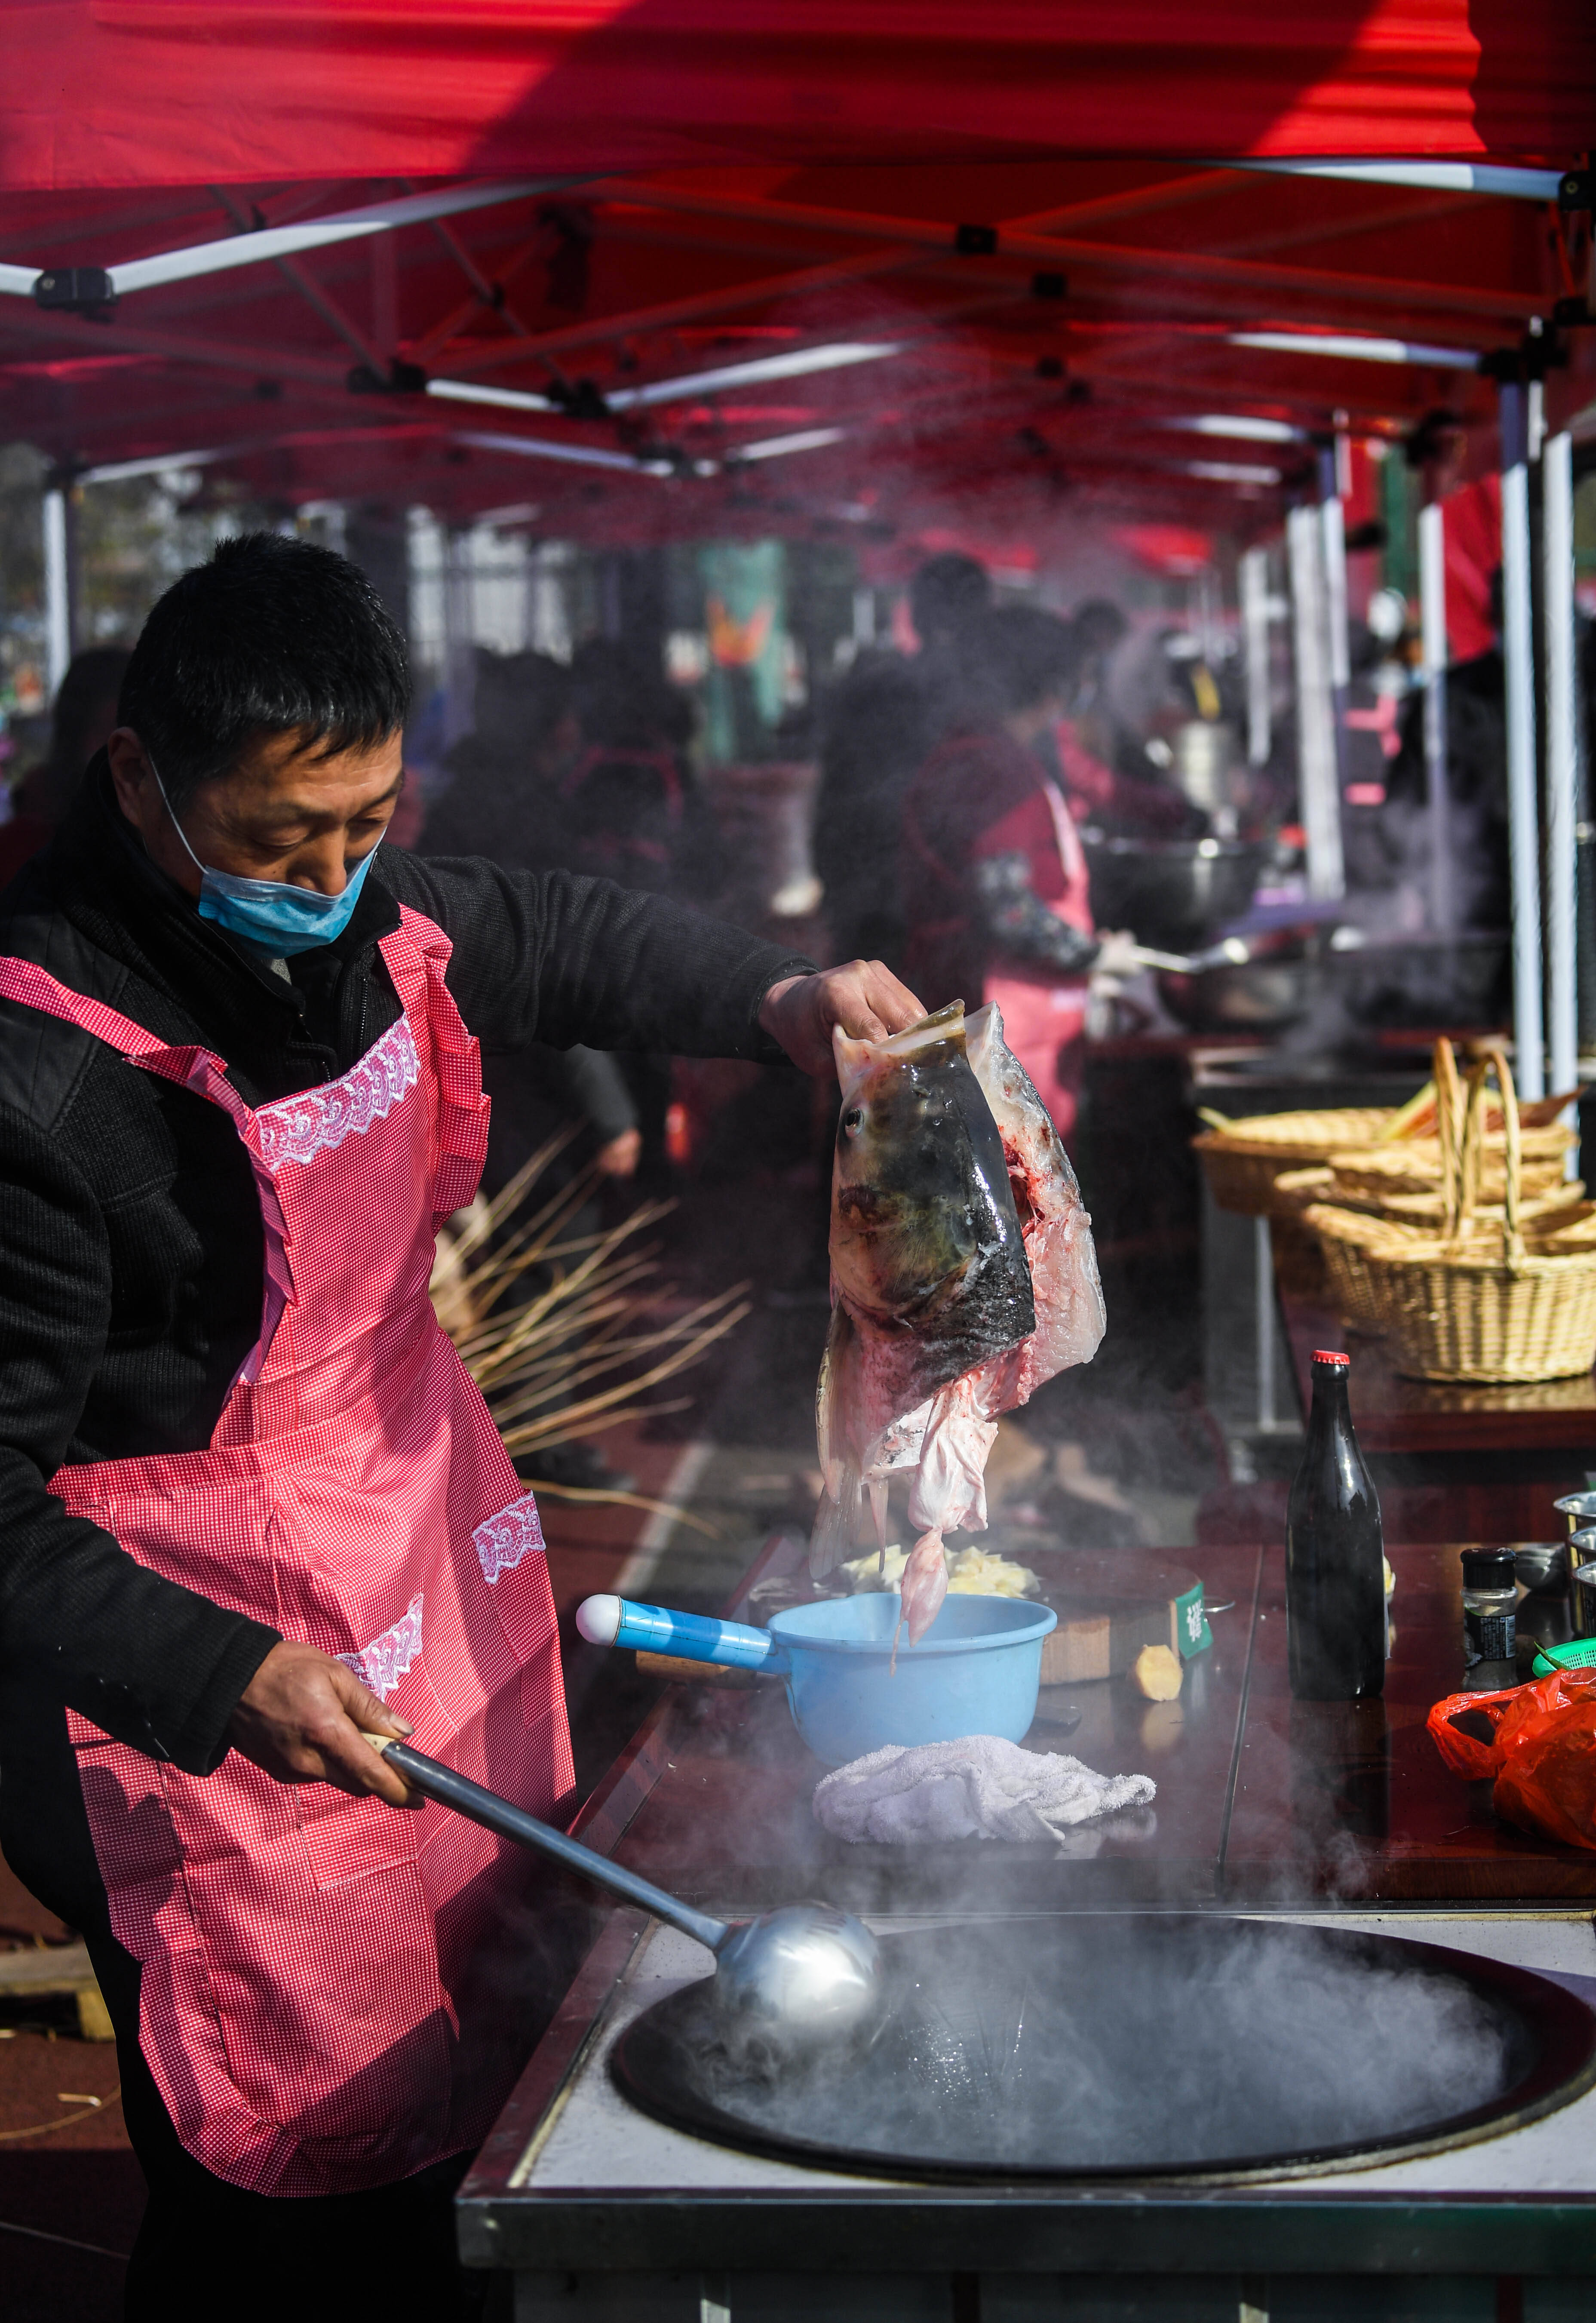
{"type": "Point", "coordinates": [1470, 1145]}
{"type": "Point", "coordinates": [1449, 1125]}
{"type": "Point", "coordinates": [1514, 1156]}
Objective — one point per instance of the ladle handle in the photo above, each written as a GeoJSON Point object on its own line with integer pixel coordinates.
{"type": "Point", "coordinates": [449, 1789]}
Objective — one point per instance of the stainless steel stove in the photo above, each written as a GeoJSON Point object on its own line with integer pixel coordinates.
{"type": "Point", "coordinates": [602, 2211]}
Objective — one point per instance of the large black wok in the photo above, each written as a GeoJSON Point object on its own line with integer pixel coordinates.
{"type": "Point", "coordinates": [1117, 2045]}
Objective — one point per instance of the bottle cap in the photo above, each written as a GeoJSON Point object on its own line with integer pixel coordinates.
{"type": "Point", "coordinates": [1324, 1356]}
{"type": "Point", "coordinates": [1489, 1568]}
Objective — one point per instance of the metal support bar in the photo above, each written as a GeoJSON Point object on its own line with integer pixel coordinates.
{"type": "Point", "coordinates": [770, 290]}
{"type": "Point", "coordinates": [1523, 818]}
{"type": "Point", "coordinates": [1319, 787]}
{"type": "Point", "coordinates": [185, 347]}
{"type": "Point", "coordinates": [1431, 599]}
{"type": "Point", "coordinates": [310, 290]}
{"type": "Point", "coordinates": [1254, 579]}
{"type": "Point", "coordinates": [1332, 522]}
{"type": "Point", "coordinates": [331, 313]}
{"type": "Point", "coordinates": [58, 589]}
{"type": "Point", "coordinates": [1263, 1320]}
{"type": "Point", "coordinates": [1562, 767]}
{"type": "Point", "coordinates": [459, 635]}
{"type": "Point", "coordinates": [1016, 244]}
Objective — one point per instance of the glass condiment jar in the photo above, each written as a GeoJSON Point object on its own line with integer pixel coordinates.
{"type": "Point", "coordinates": [1490, 1595]}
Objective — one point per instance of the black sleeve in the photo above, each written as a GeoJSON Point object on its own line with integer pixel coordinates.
{"type": "Point", "coordinates": [550, 955]}
{"type": "Point", "coordinates": [590, 1084]}
{"type": "Point", "coordinates": [155, 1665]}
{"type": "Point", "coordinates": [1018, 923]}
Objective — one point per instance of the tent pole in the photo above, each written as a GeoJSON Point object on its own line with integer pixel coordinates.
{"type": "Point", "coordinates": [1523, 820]}
{"type": "Point", "coordinates": [1562, 766]}
{"type": "Point", "coordinates": [459, 632]}
{"type": "Point", "coordinates": [1432, 600]}
{"type": "Point", "coordinates": [1255, 638]}
{"type": "Point", "coordinates": [1332, 534]}
{"type": "Point", "coordinates": [57, 588]}
{"type": "Point", "coordinates": [1317, 784]}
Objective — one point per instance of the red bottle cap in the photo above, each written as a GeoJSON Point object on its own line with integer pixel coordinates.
{"type": "Point", "coordinates": [1324, 1356]}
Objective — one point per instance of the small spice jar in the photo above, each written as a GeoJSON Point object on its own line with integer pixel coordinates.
{"type": "Point", "coordinates": [1489, 1593]}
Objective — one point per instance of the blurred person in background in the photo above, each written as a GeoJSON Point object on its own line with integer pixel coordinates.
{"type": "Point", "coordinates": [84, 715]}
{"type": "Point", "coordinates": [1098, 630]}
{"type": "Point", "coordinates": [504, 775]}
{"type": "Point", "coordinates": [633, 809]}
{"type": "Point", "coordinates": [994, 878]}
{"type": "Point", "coordinates": [1476, 788]}
{"type": "Point", "coordinates": [504, 803]}
{"type": "Point", "coordinates": [880, 723]}
{"type": "Point", "coordinates": [1077, 752]}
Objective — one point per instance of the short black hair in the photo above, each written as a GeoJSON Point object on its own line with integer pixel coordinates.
{"type": "Point", "coordinates": [947, 593]}
{"type": "Point", "coordinates": [274, 636]}
{"type": "Point", "coordinates": [1030, 653]}
{"type": "Point", "coordinates": [1097, 625]}
{"type": "Point", "coordinates": [1427, 441]}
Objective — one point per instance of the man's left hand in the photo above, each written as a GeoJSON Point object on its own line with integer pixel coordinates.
{"type": "Point", "coordinates": [863, 996]}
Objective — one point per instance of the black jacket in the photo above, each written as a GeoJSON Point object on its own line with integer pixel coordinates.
{"type": "Point", "coordinates": [130, 1230]}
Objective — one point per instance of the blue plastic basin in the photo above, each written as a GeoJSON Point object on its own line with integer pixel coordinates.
{"type": "Point", "coordinates": [975, 1671]}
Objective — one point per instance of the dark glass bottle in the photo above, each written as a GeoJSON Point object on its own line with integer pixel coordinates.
{"type": "Point", "coordinates": [1334, 1556]}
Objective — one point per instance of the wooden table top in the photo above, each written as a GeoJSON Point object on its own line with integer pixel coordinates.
{"type": "Point", "coordinates": [1260, 1799]}
{"type": "Point", "coordinates": [1393, 1414]}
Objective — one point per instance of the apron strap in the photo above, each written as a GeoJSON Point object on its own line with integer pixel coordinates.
{"type": "Point", "coordinates": [35, 988]}
{"type": "Point", "coordinates": [417, 955]}
{"type": "Point", "coordinates": [193, 1068]}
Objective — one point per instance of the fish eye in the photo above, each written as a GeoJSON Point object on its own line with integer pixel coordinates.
{"type": "Point", "coordinates": [853, 1120]}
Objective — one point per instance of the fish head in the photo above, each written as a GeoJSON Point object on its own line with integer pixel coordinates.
{"type": "Point", "coordinates": [920, 1188]}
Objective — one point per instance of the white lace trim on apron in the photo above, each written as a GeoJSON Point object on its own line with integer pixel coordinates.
{"type": "Point", "coordinates": [502, 1542]}
{"type": "Point", "coordinates": [297, 1128]}
{"type": "Point", "coordinates": [382, 1663]}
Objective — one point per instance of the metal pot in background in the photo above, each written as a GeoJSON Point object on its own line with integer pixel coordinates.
{"type": "Point", "coordinates": [1171, 892]}
{"type": "Point", "coordinates": [1203, 759]}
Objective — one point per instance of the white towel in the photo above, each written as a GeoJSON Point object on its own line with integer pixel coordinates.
{"type": "Point", "coordinates": [979, 1787]}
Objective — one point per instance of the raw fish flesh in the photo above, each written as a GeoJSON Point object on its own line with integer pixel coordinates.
{"type": "Point", "coordinates": [962, 1276]}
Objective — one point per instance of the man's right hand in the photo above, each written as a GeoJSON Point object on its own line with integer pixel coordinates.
{"type": "Point", "coordinates": [304, 1717]}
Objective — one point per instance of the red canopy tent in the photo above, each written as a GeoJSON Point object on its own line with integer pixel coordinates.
{"type": "Point", "coordinates": [113, 94]}
{"type": "Point", "coordinates": [697, 267]}
{"type": "Point", "coordinates": [1015, 210]}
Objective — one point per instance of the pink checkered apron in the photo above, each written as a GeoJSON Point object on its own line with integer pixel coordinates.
{"type": "Point", "coordinates": [1044, 1017]}
{"type": "Point", "coordinates": [325, 1979]}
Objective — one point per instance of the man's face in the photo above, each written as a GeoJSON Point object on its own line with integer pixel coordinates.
{"type": "Point", "coordinates": [284, 812]}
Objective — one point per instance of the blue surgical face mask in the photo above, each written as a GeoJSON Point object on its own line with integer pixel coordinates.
{"type": "Point", "coordinates": [283, 921]}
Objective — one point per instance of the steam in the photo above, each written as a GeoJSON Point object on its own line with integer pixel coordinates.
{"type": "Point", "coordinates": [1142, 2045]}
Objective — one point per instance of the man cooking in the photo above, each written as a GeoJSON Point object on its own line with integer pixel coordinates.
{"type": "Point", "coordinates": [251, 1504]}
{"type": "Point", "coordinates": [995, 875]}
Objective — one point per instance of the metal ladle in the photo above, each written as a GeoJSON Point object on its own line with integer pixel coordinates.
{"type": "Point", "coordinates": [789, 1984]}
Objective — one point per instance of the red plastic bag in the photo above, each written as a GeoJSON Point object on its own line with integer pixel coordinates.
{"type": "Point", "coordinates": [1542, 1752]}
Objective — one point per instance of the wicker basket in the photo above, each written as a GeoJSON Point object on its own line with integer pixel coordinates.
{"type": "Point", "coordinates": [1478, 1305]}
{"type": "Point", "coordinates": [1244, 1160]}
{"type": "Point", "coordinates": [1346, 1238]}
{"type": "Point", "coordinates": [1562, 1209]}
{"type": "Point", "coordinates": [1419, 1168]}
